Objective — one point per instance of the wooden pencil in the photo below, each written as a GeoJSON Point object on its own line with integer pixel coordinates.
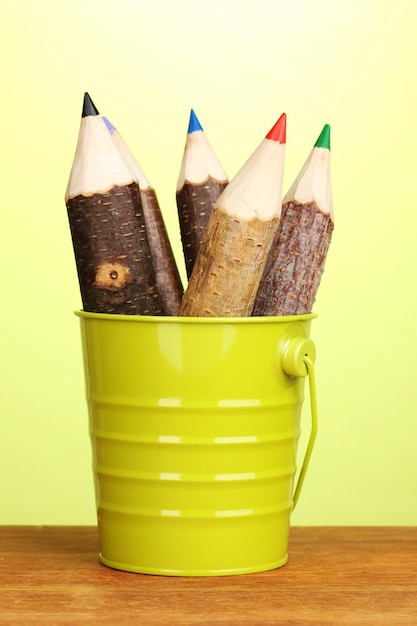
{"type": "Point", "coordinates": [296, 261]}
{"type": "Point", "coordinates": [200, 182]}
{"type": "Point", "coordinates": [168, 280]}
{"type": "Point", "coordinates": [111, 247]}
{"type": "Point", "coordinates": [239, 234]}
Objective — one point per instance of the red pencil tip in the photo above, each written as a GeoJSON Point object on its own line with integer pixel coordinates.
{"type": "Point", "coordinates": [278, 131]}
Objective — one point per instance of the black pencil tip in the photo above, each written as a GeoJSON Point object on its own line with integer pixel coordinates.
{"type": "Point", "coordinates": [88, 106]}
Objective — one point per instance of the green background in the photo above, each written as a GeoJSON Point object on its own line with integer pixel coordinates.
{"type": "Point", "coordinates": [145, 64]}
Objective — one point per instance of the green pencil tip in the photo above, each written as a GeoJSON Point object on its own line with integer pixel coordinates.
{"type": "Point", "coordinates": [324, 138]}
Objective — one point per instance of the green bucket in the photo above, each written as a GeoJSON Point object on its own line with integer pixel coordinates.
{"type": "Point", "coordinates": [194, 425]}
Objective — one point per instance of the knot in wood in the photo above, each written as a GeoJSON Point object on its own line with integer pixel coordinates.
{"type": "Point", "coordinates": [112, 276]}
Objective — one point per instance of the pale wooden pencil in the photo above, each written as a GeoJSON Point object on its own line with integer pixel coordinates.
{"type": "Point", "coordinates": [239, 234]}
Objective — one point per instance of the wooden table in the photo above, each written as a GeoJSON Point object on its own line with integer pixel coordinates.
{"type": "Point", "coordinates": [335, 576]}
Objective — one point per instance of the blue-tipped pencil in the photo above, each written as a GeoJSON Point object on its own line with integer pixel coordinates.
{"type": "Point", "coordinates": [168, 280]}
{"type": "Point", "coordinates": [200, 183]}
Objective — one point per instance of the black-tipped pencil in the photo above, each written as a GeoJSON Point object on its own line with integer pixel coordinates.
{"type": "Point", "coordinates": [111, 247]}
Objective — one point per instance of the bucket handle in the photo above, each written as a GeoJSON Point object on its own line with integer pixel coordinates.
{"type": "Point", "coordinates": [298, 360]}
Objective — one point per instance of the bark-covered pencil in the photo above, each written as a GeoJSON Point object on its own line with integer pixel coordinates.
{"type": "Point", "coordinates": [111, 247]}
{"type": "Point", "coordinates": [239, 234]}
{"type": "Point", "coordinates": [296, 261]}
{"type": "Point", "coordinates": [200, 182]}
{"type": "Point", "coordinates": [168, 279]}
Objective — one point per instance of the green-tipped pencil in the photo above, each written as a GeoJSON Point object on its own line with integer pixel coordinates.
{"type": "Point", "coordinates": [296, 261]}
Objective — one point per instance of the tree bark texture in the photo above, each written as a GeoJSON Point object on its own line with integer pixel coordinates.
{"type": "Point", "coordinates": [296, 261]}
{"type": "Point", "coordinates": [229, 266]}
{"type": "Point", "coordinates": [168, 280]}
{"type": "Point", "coordinates": [112, 252]}
{"type": "Point", "coordinates": [195, 204]}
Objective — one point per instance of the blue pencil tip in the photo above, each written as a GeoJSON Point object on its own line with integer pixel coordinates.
{"type": "Point", "coordinates": [109, 125]}
{"type": "Point", "coordinates": [194, 123]}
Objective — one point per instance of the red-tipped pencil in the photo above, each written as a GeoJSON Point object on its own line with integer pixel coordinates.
{"type": "Point", "coordinates": [296, 261]}
{"type": "Point", "coordinates": [239, 234]}
{"type": "Point", "coordinates": [111, 247]}
{"type": "Point", "coordinates": [168, 280]}
{"type": "Point", "coordinates": [200, 183]}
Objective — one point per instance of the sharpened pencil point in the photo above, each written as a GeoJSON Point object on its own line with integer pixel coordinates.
{"type": "Point", "coordinates": [88, 106]}
{"type": "Point", "coordinates": [324, 138]}
{"type": "Point", "coordinates": [278, 131]}
{"type": "Point", "coordinates": [194, 124]}
{"type": "Point", "coordinates": [109, 125]}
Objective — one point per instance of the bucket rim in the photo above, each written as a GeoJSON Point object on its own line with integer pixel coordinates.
{"type": "Point", "coordinates": [169, 319]}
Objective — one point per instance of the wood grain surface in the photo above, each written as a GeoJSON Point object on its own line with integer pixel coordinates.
{"type": "Point", "coordinates": [335, 576]}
